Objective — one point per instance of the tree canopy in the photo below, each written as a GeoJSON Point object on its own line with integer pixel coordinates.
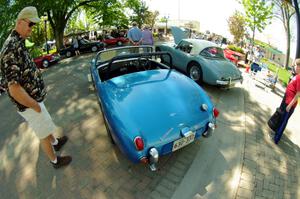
{"type": "Point", "coordinates": [62, 14]}
{"type": "Point", "coordinates": [283, 10]}
{"type": "Point", "coordinates": [237, 26]}
{"type": "Point", "coordinates": [258, 14]}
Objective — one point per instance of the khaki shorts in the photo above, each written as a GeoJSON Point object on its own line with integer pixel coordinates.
{"type": "Point", "coordinates": [41, 123]}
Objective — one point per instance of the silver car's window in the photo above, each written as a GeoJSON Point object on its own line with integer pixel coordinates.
{"type": "Point", "coordinates": [185, 46]}
{"type": "Point", "coordinates": [212, 52]}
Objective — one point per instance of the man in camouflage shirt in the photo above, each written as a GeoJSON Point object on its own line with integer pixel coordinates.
{"type": "Point", "coordinates": [25, 86]}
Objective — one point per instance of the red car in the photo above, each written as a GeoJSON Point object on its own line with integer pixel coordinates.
{"type": "Point", "coordinates": [45, 60]}
{"type": "Point", "coordinates": [233, 56]}
{"type": "Point", "coordinates": [119, 41]}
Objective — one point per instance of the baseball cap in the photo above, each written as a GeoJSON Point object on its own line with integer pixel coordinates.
{"type": "Point", "coordinates": [29, 13]}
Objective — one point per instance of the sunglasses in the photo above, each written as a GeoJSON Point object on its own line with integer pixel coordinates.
{"type": "Point", "coordinates": [30, 24]}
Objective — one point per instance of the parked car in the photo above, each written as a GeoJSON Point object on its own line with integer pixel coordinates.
{"type": "Point", "coordinates": [149, 109]}
{"type": "Point", "coordinates": [84, 46]}
{"type": "Point", "coordinates": [233, 56]}
{"type": "Point", "coordinates": [201, 60]}
{"type": "Point", "coordinates": [44, 61]}
{"type": "Point", "coordinates": [119, 41]}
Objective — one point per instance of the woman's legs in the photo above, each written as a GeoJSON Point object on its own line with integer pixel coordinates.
{"type": "Point", "coordinates": [283, 122]}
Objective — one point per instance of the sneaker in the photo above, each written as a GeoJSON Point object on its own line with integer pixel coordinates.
{"type": "Point", "coordinates": [62, 161]}
{"type": "Point", "coordinates": [61, 142]}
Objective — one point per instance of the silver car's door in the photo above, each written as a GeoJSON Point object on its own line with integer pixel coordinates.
{"type": "Point", "coordinates": [182, 55]}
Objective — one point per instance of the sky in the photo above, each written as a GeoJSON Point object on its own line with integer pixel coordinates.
{"type": "Point", "coordinates": [213, 16]}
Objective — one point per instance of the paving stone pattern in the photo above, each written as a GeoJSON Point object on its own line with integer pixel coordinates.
{"type": "Point", "coordinates": [269, 171]}
{"type": "Point", "coordinates": [98, 170]}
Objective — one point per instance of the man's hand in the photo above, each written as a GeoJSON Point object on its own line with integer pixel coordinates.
{"type": "Point", "coordinates": [37, 108]}
{"type": "Point", "coordinates": [21, 96]}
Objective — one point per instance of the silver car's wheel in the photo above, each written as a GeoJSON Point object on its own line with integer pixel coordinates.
{"type": "Point", "coordinates": [195, 73]}
{"type": "Point", "coordinates": [45, 63]}
{"type": "Point", "coordinates": [94, 48]}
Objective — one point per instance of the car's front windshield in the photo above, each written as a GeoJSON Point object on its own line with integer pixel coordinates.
{"type": "Point", "coordinates": [212, 52]}
{"type": "Point", "coordinates": [107, 55]}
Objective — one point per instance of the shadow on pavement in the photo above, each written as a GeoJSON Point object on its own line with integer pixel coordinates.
{"type": "Point", "coordinates": [269, 170]}
{"type": "Point", "coordinates": [99, 170]}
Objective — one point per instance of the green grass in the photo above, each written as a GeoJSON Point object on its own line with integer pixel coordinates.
{"type": "Point", "coordinates": [283, 74]}
{"type": "Point", "coordinates": [235, 48]}
{"type": "Point", "coordinates": [50, 51]}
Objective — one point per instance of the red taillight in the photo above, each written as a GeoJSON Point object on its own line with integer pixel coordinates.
{"type": "Point", "coordinates": [216, 112]}
{"type": "Point", "coordinates": [139, 143]}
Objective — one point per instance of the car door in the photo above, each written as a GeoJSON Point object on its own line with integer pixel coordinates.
{"type": "Point", "coordinates": [84, 45]}
{"type": "Point", "coordinates": [182, 55]}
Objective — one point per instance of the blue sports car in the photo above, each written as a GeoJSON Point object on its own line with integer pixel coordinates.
{"type": "Point", "coordinates": [149, 108]}
{"type": "Point", "coordinates": [201, 60]}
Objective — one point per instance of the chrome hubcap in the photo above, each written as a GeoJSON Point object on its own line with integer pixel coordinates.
{"type": "Point", "coordinates": [45, 64]}
{"type": "Point", "coordinates": [195, 73]}
{"type": "Point", "coordinates": [94, 49]}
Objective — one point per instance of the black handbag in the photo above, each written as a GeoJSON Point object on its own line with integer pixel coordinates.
{"type": "Point", "coordinates": [275, 120]}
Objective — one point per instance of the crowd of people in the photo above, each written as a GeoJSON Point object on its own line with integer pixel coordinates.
{"type": "Point", "coordinates": [137, 36]}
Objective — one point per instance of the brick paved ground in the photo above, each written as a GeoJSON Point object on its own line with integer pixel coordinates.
{"type": "Point", "coordinates": [268, 170]}
{"type": "Point", "coordinates": [98, 169]}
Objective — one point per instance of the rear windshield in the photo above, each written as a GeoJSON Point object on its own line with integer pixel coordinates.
{"type": "Point", "coordinates": [212, 52]}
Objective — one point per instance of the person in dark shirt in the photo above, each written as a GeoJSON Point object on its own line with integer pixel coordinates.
{"type": "Point", "coordinates": [25, 86]}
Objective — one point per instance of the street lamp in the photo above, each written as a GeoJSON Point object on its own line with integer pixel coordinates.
{"type": "Point", "coordinates": [166, 18]}
{"type": "Point", "coordinates": [46, 45]}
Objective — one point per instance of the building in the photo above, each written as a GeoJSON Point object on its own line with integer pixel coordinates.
{"type": "Point", "coordinates": [165, 26]}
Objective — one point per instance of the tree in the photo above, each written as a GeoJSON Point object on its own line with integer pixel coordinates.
{"type": "Point", "coordinates": [140, 11]}
{"type": "Point", "coordinates": [107, 13]}
{"type": "Point", "coordinates": [58, 13]}
{"type": "Point", "coordinates": [73, 26]}
{"type": "Point", "coordinates": [284, 11]}
{"type": "Point", "coordinates": [296, 6]}
{"type": "Point", "coordinates": [152, 17]}
{"type": "Point", "coordinates": [237, 26]}
{"type": "Point", "coordinates": [258, 14]}
{"type": "Point", "coordinates": [8, 13]}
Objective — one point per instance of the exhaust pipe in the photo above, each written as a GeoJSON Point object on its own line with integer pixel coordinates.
{"type": "Point", "coordinates": [211, 128]}
{"type": "Point", "coordinates": [153, 158]}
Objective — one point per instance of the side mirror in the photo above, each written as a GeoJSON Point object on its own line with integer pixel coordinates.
{"type": "Point", "coordinates": [175, 46]}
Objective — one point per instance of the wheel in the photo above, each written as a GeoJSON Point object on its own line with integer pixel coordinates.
{"type": "Point", "coordinates": [94, 48]}
{"type": "Point", "coordinates": [195, 72]}
{"type": "Point", "coordinates": [68, 53]}
{"type": "Point", "coordinates": [45, 63]}
{"type": "Point", "coordinates": [119, 43]}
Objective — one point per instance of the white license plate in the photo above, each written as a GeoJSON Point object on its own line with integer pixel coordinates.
{"type": "Point", "coordinates": [183, 141]}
